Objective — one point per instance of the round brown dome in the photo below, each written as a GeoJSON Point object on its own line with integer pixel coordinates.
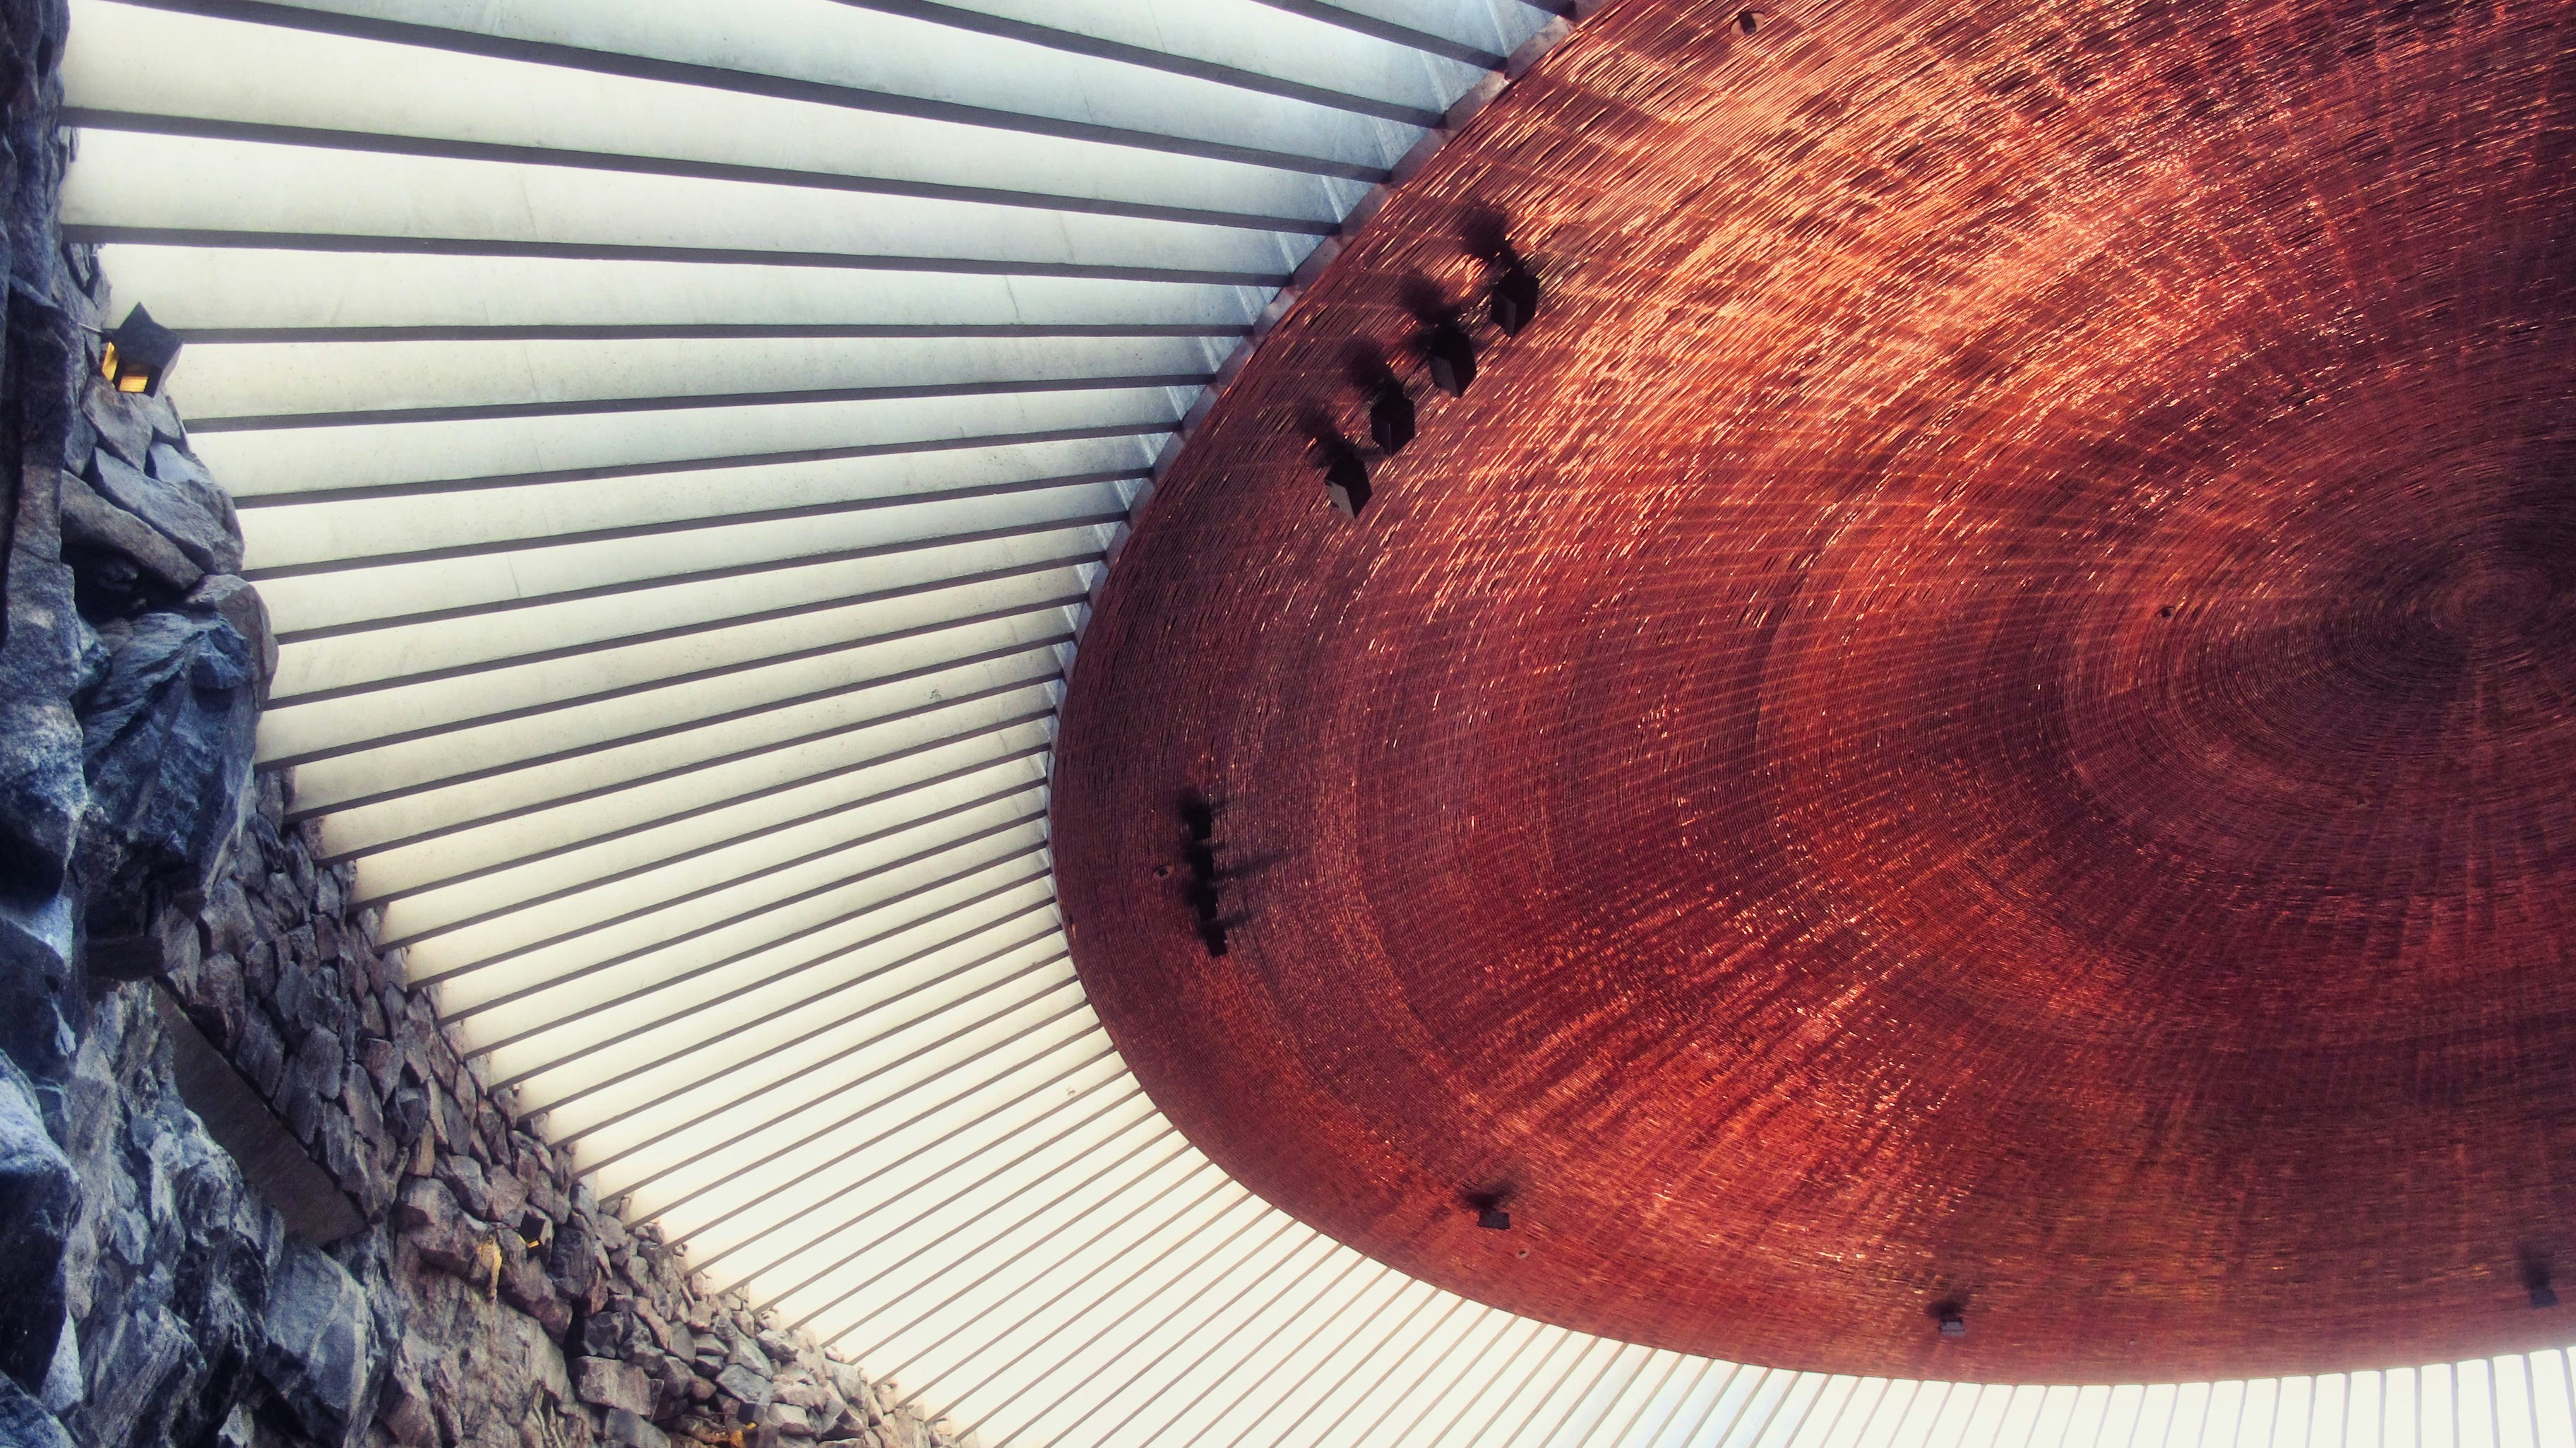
{"type": "Point", "coordinates": [1977, 720]}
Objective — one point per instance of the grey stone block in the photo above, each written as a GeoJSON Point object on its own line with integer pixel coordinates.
{"type": "Point", "coordinates": [318, 1345]}
{"type": "Point", "coordinates": [144, 1360]}
{"type": "Point", "coordinates": [228, 919]}
{"type": "Point", "coordinates": [24, 1423]}
{"type": "Point", "coordinates": [627, 1429]}
{"type": "Point", "coordinates": [237, 603]}
{"type": "Point", "coordinates": [473, 1188]}
{"type": "Point", "coordinates": [323, 1063]}
{"type": "Point", "coordinates": [36, 1201]}
{"type": "Point", "coordinates": [178, 472]}
{"type": "Point", "coordinates": [166, 748]}
{"type": "Point", "coordinates": [94, 521]}
{"type": "Point", "coordinates": [425, 1204]}
{"type": "Point", "coordinates": [382, 1064]}
{"type": "Point", "coordinates": [751, 1388]}
{"type": "Point", "coordinates": [37, 989]}
{"type": "Point", "coordinates": [191, 512]}
{"type": "Point", "coordinates": [261, 1054]}
{"type": "Point", "coordinates": [609, 1383]}
{"type": "Point", "coordinates": [123, 427]}
{"type": "Point", "coordinates": [63, 1391]}
{"type": "Point", "coordinates": [41, 788]}
{"type": "Point", "coordinates": [410, 1116]}
{"type": "Point", "coordinates": [403, 1408]}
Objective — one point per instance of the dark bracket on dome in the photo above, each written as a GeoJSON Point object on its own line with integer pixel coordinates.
{"type": "Point", "coordinates": [1198, 816]}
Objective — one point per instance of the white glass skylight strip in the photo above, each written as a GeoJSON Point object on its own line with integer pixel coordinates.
{"type": "Point", "coordinates": [1196, 1331]}
{"type": "Point", "coordinates": [455, 458]}
{"type": "Point", "coordinates": [746, 788]}
{"type": "Point", "coordinates": [664, 779]}
{"type": "Point", "coordinates": [303, 195]}
{"type": "Point", "coordinates": [1016, 1238]}
{"type": "Point", "coordinates": [575, 709]}
{"type": "Point", "coordinates": [315, 725]}
{"type": "Point", "coordinates": [331, 380]}
{"type": "Point", "coordinates": [728, 891]}
{"type": "Point", "coordinates": [369, 94]}
{"type": "Point", "coordinates": [1484, 27]}
{"type": "Point", "coordinates": [846, 1248]}
{"type": "Point", "coordinates": [441, 578]}
{"type": "Point", "coordinates": [873, 61]}
{"type": "Point", "coordinates": [461, 883]}
{"type": "Point", "coordinates": [579, 1034]}
{"type": "Point", "coordinates": [502, 579]}
{"type": "Point", "coordinates": [333, 537]}
{"type": "Point", "coordinates": [1237, 34]}
{"type": "Point", "coordinates": [533, 712]}
{"type": "Point", "coordinates": [721, 850]}
{"type": "Point", "coordinates": [340, 665]}
{"type": "Point", "coordinates": [289, 294]}
{"type": "Point", "coordinates": [465, 773]}
{"type": "Point", "coordinates": [974, 993]}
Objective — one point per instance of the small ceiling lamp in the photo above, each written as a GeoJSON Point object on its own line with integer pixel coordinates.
{"type": "Point", "coordinates": [1390, 418]}
{"type": "Point", "coordinates": [139, 354]}
{"type": "Point", "coordinates": [2535, 1280]}
{"type": "Point", "coordinates": [1346, 479]}
{"type": "Point", "coordinates": [1443, 344]}
{"type": "Point", "coordinates": [1390, 407]}
{"type": "Point", "coordinates": [1198, 815]}
{"type": "Point", "coordinates": [1451, 356]}
{"type": "Point", "coordinates": [1511, 288]}
{"type": "Point", "coordinates": [1346, 482]}
{"type": "Point", "coordinates": [1511, 299]}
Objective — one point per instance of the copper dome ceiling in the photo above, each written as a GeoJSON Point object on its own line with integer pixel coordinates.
{"type": "Point", "coordinates": [1978, 716]}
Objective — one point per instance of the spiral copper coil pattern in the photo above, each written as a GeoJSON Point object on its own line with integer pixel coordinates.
{"type": "Point", "coordinates": [1977, 718]}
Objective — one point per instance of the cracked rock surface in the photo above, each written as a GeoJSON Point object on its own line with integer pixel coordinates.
{"type": "Point", "coordinates": [335, 1233]}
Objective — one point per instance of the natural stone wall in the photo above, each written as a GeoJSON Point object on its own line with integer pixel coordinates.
{"type": "Point", "coordinates": [379, 1251]}
{"type": "Point", "coordinates": [514, 1309]}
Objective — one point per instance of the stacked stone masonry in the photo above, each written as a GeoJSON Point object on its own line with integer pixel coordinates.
{"type": "Point", "coordinates": [491, 1242]}
{"type": "Point", "coordinates": [447, 1280]}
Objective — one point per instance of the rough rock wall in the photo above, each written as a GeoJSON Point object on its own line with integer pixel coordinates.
{"type": "Point", "coordinates": [131, 1257]}
{"type": "Point", "coordinates": [437, 1276]}
{"type": "Point", "coordinates": [507, 1306]}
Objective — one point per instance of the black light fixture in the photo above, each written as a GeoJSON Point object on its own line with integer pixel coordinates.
{"type": "Point", "coordinates": [1390, 417]}
{"type": "Point", "coordinates": [1346, 474]}
{"type": "Point", "coordinates": [1451, 357]}
{"type": "Point", "coordinates": [2535, 1280]}
{"type": "Point", "coordinates": [1390, 407]}
{"type": "Point", "coordinates": [1951, 1316]}
{"type": "Point", "coordinates": [1443, 344]}
{"type": "Point", "coordinates": [1511, 299]}
{"type": "Point", "coordinates": [1511, 287]}
{"type": "Point", "coordinates": [1198, 815]}
{"type": "Point", "coordinates": [139, 354]}
{"type": "Point", "coordinates": [1494, 1219]}
{"type": "Point", "coordinates": [1346, 480]}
